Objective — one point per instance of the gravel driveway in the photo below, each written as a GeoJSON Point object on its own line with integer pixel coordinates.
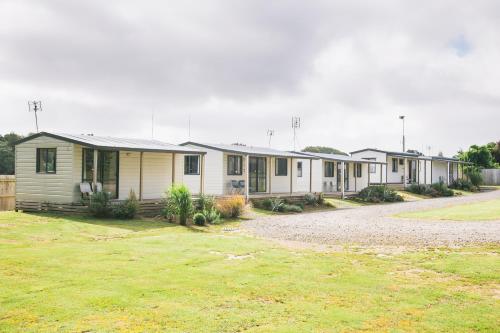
{"type": "Point", "coordinates": [373, 226]}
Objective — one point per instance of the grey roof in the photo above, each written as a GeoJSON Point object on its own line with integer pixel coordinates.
{"type": "Point", "coordinates": [449, 159]}
{"type": "Point", "coordinates": [109, 143]}
{"type": "Point", "coordinates": [248, 150]}
{"type": "Point", "coordinates": [341, 158]}
{"type": "Point", "coordinates": [414, 155]}
{"type": "Point", "coordinates": [395, 153]}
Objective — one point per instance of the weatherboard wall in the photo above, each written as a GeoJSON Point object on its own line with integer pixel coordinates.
{"type": "Point", "coordinates": [33, 186]}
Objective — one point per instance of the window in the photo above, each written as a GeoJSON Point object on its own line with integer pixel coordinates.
{"type": "Point", "coordinates": [281, 167]}
{"type": "Point", "coordinates": [401, 161]}
{"type": "Point", "coordinates": [394, 165]}
{"type": "Point", "coordinates": [358, 170]}
{"type": "Point", "coordinates": [299, 169]}
{"type": "Point", "coordinates": [46, 160]}
{"type": "Point", "coordinates": [372, 167]}
{"type": "Point", "coordinates": [234, 165]}
{"type": "Point", "coordinates": [192, 165]}
{"type": "Point", "coordinates": [329, 169]}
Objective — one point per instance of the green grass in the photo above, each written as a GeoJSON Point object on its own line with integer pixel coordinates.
{"type": "Point", "coordinates": [480, 211]}
{"type": "Point", "coordinates": [75, 275]}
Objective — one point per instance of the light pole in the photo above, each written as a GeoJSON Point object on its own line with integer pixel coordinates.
{"type": "Point", "coordinates": [404, 145]}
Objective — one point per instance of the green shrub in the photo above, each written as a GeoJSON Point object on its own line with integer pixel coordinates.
{"type": "Point", "coordinates": [199, 219]}
{"type": "Point", "coordinates": [310, 199]}
{"type": "Point", "coordinates": [99, 205]}
{"type": "Point", "coordinates": [417, 188]}
{"type": "Point", "coordinates": [442, 189]}
{"type": "Point", "coordinates": [463, 184]}
{"type": "Point", "coordinates": [290, 208]}
{"type": "Point", "coordinates": [169, 210]}
{"type": "Point", "coordinates": [276, 204]}
{"type": "Point", "coordinates": [231, 207]}
{"type": "Point", "coordinates": [475, 176]}
{"type": "Point", "coordinates": [379, 193]}
{"type": "Point", "coordinates": [212, 216]}
{"type": "Point", "coordinates": [180, 203]}
{"type": "Point", "coordinates": [265, 204]}
{"type": "Point", "coordinates": [205, 202]}
{"type": "Point", "coordinates": [128, 208]}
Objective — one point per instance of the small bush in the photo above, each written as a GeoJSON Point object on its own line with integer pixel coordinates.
{"type": "Point", "coordinates": [231, 207]}
{"type": "Point", "coordinates": [128, 208]}
{"type": "Point", "coordinates": [212, 216]}
{"type": "Point", "coordinates": [290, 208]}
{"type": "Point", "coordinates": [441, 189]}
{"type": "Point", "coordinates": [199, 219]}
{"type": "Point", "coordinates": [475, 176]}
{"type": "Point", "coordinates": [379, 193]}
{"type": "Point", "coordinates": [310, 199]}
{"type": "Point", "coordinates": [276, 204]}
{"type": "Point", "coordinates": [417, 189]}
{"type": "Point", "coordinates": [169, 210]}
{"type": "Point", "coordinates": [180, 202]}
{"type": "Point", "coordinates": [99, 205]}
{"type": "Point", "coordinates": [265, 204]}
{"type": "Point", "coordinates": [205, 202]}
{"type": "Point", "coordinates": [464, 184]}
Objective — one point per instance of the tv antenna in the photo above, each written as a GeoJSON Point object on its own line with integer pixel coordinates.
{"type": "Point", "coordinates": [35, 106]}
{"type": "Point", "coordinates": [295, 126]}
{"type": "Point", "coordinates": [270, 133]}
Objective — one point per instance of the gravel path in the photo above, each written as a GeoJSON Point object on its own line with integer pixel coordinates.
{"type": "Point", "coordinates": [373, 226]}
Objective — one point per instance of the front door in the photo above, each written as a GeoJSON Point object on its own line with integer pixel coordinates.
{"type": "Point", "coordinates": [257, 174]}
{"type": "Point", "coordinates": [412, 173]}
{"type": "Point", "coordinates": [339, 176]}
{"type": "Point", "coordinates": [107, 169]}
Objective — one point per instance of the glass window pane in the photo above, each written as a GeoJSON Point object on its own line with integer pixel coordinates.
{"type": "Point", "coordinates": [51, 160]}
{"type": "Point", "coordinates": [88, 165]}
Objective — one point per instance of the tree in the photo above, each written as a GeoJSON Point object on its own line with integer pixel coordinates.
{"type": "Point", "coordinates": [7, 154]}
{"type": "Point", "coordinates": [495, 151]}
{"type": "Point", "coordinates": [323, 150]}
{"type": "Point", "coordinates": [479, 155]}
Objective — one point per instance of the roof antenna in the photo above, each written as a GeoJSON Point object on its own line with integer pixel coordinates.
{"type": "Point", "coordinates": [270, 133]}
{"type": "Point", "coordinates": [295, 126]}
{"type": "Point", "coordinates": [35, 106]}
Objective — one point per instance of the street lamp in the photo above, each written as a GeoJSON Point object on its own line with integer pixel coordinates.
{"type": "Point", "coordinates": [403, 119]}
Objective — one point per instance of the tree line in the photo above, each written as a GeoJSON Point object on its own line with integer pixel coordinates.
{"type": "Point", "coordinates": [7, 155]}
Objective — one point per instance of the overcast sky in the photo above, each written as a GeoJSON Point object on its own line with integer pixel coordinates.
{"type": "Point", "coordinates": [239, 68]}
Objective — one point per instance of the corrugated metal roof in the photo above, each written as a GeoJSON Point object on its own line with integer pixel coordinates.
{"type": "Point", "coordinates": [393, 153]}
{"type": "Point", "coordinates": [111, 143]}
{"type": "Point", "coordinates": [341, 158]}
{"type": "Point", "coordinates": [449, 159]}
{"type": "Point", "coordinates": [248, 150]}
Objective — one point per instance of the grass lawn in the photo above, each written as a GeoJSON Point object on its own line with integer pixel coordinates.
{"type": "Point", "coordinates": [89, 275]}
{"type": "Point", "coordinates": [480, 211]}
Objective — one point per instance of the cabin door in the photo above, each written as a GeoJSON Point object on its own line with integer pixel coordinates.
{"type": "Point", "coordinates": [339, 176]}
{"type": "Point", "coordinates": [257, 174]}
